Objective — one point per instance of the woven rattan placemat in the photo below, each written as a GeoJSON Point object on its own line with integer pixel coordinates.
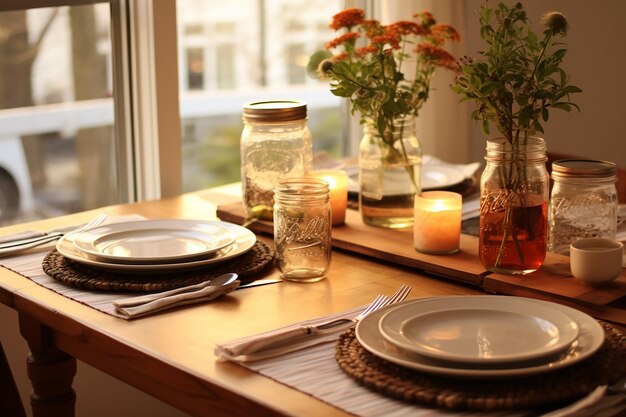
{"type": "Point", "coordinates": [540, 391]}
{"type": "Point", "coordinates": [247, 266]}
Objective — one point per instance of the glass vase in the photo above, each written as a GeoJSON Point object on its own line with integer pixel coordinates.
{"type": "Point", "coordinates": [514, 191]}
{"type": "Point", "coordinates": [389, 175]}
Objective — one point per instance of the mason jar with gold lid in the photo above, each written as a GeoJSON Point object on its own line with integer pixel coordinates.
{"type": "Point", "coordinates": [275, 144]}
{"type": "Point", "coordinates": [583, 202]}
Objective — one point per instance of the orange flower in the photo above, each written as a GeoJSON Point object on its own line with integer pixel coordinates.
{"type": "Point", "coordinates": [436, 55]}
{"type": "Point", "coordinates": [383, 40]}
{"type": "Point", "coordinates": [407, 28]}
{"type": "Point", "coordinates": [444, 31]}
{"type": "Point", "coordinates": [372, 28]}
{"type": "Point", "coordinates": [347, 19]}
{"type": "Point", "coordinates": [427, 18]}
{"type": "Point", "coordinates": [364, 50]}
{"type": "Point", "coordinates": [346, 37]}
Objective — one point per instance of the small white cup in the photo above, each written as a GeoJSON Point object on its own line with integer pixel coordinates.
{"type": "Point", "coordinates": [597, 261]}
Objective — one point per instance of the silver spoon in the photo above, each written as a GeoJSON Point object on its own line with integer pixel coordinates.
{"type": "Point", "coordinates": [220, 281]}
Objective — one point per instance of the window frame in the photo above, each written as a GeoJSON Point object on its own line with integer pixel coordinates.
{"type": "Point", "coordinates": [146, 102]}
{"type": "Point", "coordinates": [146, 82]}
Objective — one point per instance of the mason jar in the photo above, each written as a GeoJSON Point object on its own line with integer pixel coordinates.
{"type": "Point", "coordinates": [275, 144]}
{"type": "Point", "coordinates": [514, 190]}
{"type": "Point", "coordinates": [583, 202]}
{"type": "Point", "coordinates": [302, 229]}
{"type": "Point", "coordinates": [389, 175]}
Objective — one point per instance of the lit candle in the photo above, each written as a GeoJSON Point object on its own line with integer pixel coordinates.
{"type": "Point", "coordinates": [437, 227]}
{"type": "Point", "coordinates": [338, 184]}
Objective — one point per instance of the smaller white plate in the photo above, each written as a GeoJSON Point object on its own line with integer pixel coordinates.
{"type": "Point", "coordinates": [244, 240]}
{"type": "Point", "coordinates": [480, 332]}
{"type": "Point", "coordinates": [154, 241]}
{"type": "Point", "coordinates": [433, 177]}
{"type": "Point", "coordinates": [438, 177]}
{"type": "Point", "coordinates": [589, 341]}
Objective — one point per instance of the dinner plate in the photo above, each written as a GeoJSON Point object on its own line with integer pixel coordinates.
{"type": "Point", "coordinates": [433, 177]}
{"type": "Point", "coordinates": [154, 241]}
{"type": "Point", "coordinates": [590, 339]}
{"type": "Point", "coordinates": [479, 330]}
{"type": "Point", "coordinates": [244, 239]}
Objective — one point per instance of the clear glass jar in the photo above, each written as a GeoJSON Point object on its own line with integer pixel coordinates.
{"type": "Point", "coordinates": [302, 229]}
{"type": "Point", "coordinates": [275, 144]}
{"type": "Point", "coordinates": [583, 202]}
{"type": "Point", "coordinates": [514, 206]}
{"type": "Point", "coordinates": [389, 175]}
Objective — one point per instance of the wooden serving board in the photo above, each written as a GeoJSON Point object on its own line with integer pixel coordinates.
{"type": "Point", "coordinates": [553, 281]}
{"type": "Point", "coordinates": [395, 246]}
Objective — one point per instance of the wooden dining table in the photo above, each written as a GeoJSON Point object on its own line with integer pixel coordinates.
{"type": "Point", "coordinates": [170, 356]}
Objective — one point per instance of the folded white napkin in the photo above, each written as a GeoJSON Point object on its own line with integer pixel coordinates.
{"type": "Point", "coordinates": [135, 307]}
{"type": "Point", "coordinates": [468, 170]}
{"type": "Point", "coordinates": [277, 342]}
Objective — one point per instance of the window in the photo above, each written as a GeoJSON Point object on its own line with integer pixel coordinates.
{"type": "Point", "coordinates": [58, 136]}
{"type": "Point", "coordinates": [98, 83]}
{"type": "Point", "coordinates": [195, 69]}
{"type": "Point", "coordinates": [249, 56]}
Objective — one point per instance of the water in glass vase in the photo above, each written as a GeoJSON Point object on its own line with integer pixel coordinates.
{"type": "Point", "coordinates": [513, 239]}
{"type": "Point", "coordinates": [387, 193]}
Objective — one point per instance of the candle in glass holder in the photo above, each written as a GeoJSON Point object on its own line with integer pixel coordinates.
{"type": "Point", "coordinates": [437, 227]}
{"type": "Point", "coordinates": [338, 184]}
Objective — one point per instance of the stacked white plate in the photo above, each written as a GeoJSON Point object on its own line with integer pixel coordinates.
{"type": "Point", "coordinates": [480, 336]}
{"type": "Point", "coordinates": [157, 245]}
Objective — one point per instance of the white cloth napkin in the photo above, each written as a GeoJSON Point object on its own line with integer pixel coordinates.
{"type": "Point", "coordinates": [468, 170]}
{"type": "Point", "coordinates": [277, 342]}
{"type": "Point", "coordinates": [143, 305]}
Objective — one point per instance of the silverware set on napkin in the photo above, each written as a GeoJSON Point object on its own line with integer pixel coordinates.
{"type": "Point", "coordinates": [28, 240]}
{"type": "Point", "coordinates": [281, 341]}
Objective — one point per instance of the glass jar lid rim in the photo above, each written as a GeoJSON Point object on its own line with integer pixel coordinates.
{"type": "Point", "coordinates": [275, 110]}
{"type": "Point", "coordinates": [587, 167]}
{"type": "Point", "coordinates": [300, 186]}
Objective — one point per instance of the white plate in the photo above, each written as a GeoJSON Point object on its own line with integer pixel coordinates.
{"type": "Point", "coordinates": [479, 330]}
{"type": "Point", "coordinates": [433, 177]}
{"type": "Point", "coordinates": [152, 241]}
{"type": "Point", "coordinates": [590, 339]}
{"type": "Point", "coordinates": [244, 239]}
{"type": "Point", "coordinates": [436, 177]}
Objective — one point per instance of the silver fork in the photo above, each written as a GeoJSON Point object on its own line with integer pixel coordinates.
{"type": "Point", "coordinates": [378, 303]}
{"type": "Point", "coordinates": [28, 243]}
{"type": "Point", "coordinates": [291, 337]}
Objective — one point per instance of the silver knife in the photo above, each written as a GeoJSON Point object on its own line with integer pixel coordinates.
{"type": "Point", "coordinates": [19, 242]}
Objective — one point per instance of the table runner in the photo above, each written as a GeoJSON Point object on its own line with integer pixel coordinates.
{"type": "Point", "coordinates": [29, 266]}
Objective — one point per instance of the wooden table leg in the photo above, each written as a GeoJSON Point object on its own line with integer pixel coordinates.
{"type": "Point", "coordinates": [50, 370]}
{"type": "Point", "coordinates": [10, 402]}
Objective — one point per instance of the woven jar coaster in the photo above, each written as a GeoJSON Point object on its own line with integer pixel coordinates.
{"type": "Point", "coordinates": [73, 273]}
{"type": "Point", "coordinates": [546, 390]}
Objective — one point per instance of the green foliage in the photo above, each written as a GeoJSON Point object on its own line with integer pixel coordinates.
{"type": "Point", "coordinates": [370, 64]}
{"type": "Point", "coordinates": [519, 79]}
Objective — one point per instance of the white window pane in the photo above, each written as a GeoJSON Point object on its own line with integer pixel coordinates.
{"type": "Point", "coordinates": [257, 54]}
{"type": "Point", "coordinates": [57, 140]}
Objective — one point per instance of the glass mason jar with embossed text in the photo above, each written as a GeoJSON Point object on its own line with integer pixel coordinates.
{"type": "Point", "coordinates": [514, 206]}
{"type": "Point", "coordinates": [302, 229]}
{"type": "Point", "coordinates": [583, 202]}
{"type": "Point", "coordinates": [275, 144]}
